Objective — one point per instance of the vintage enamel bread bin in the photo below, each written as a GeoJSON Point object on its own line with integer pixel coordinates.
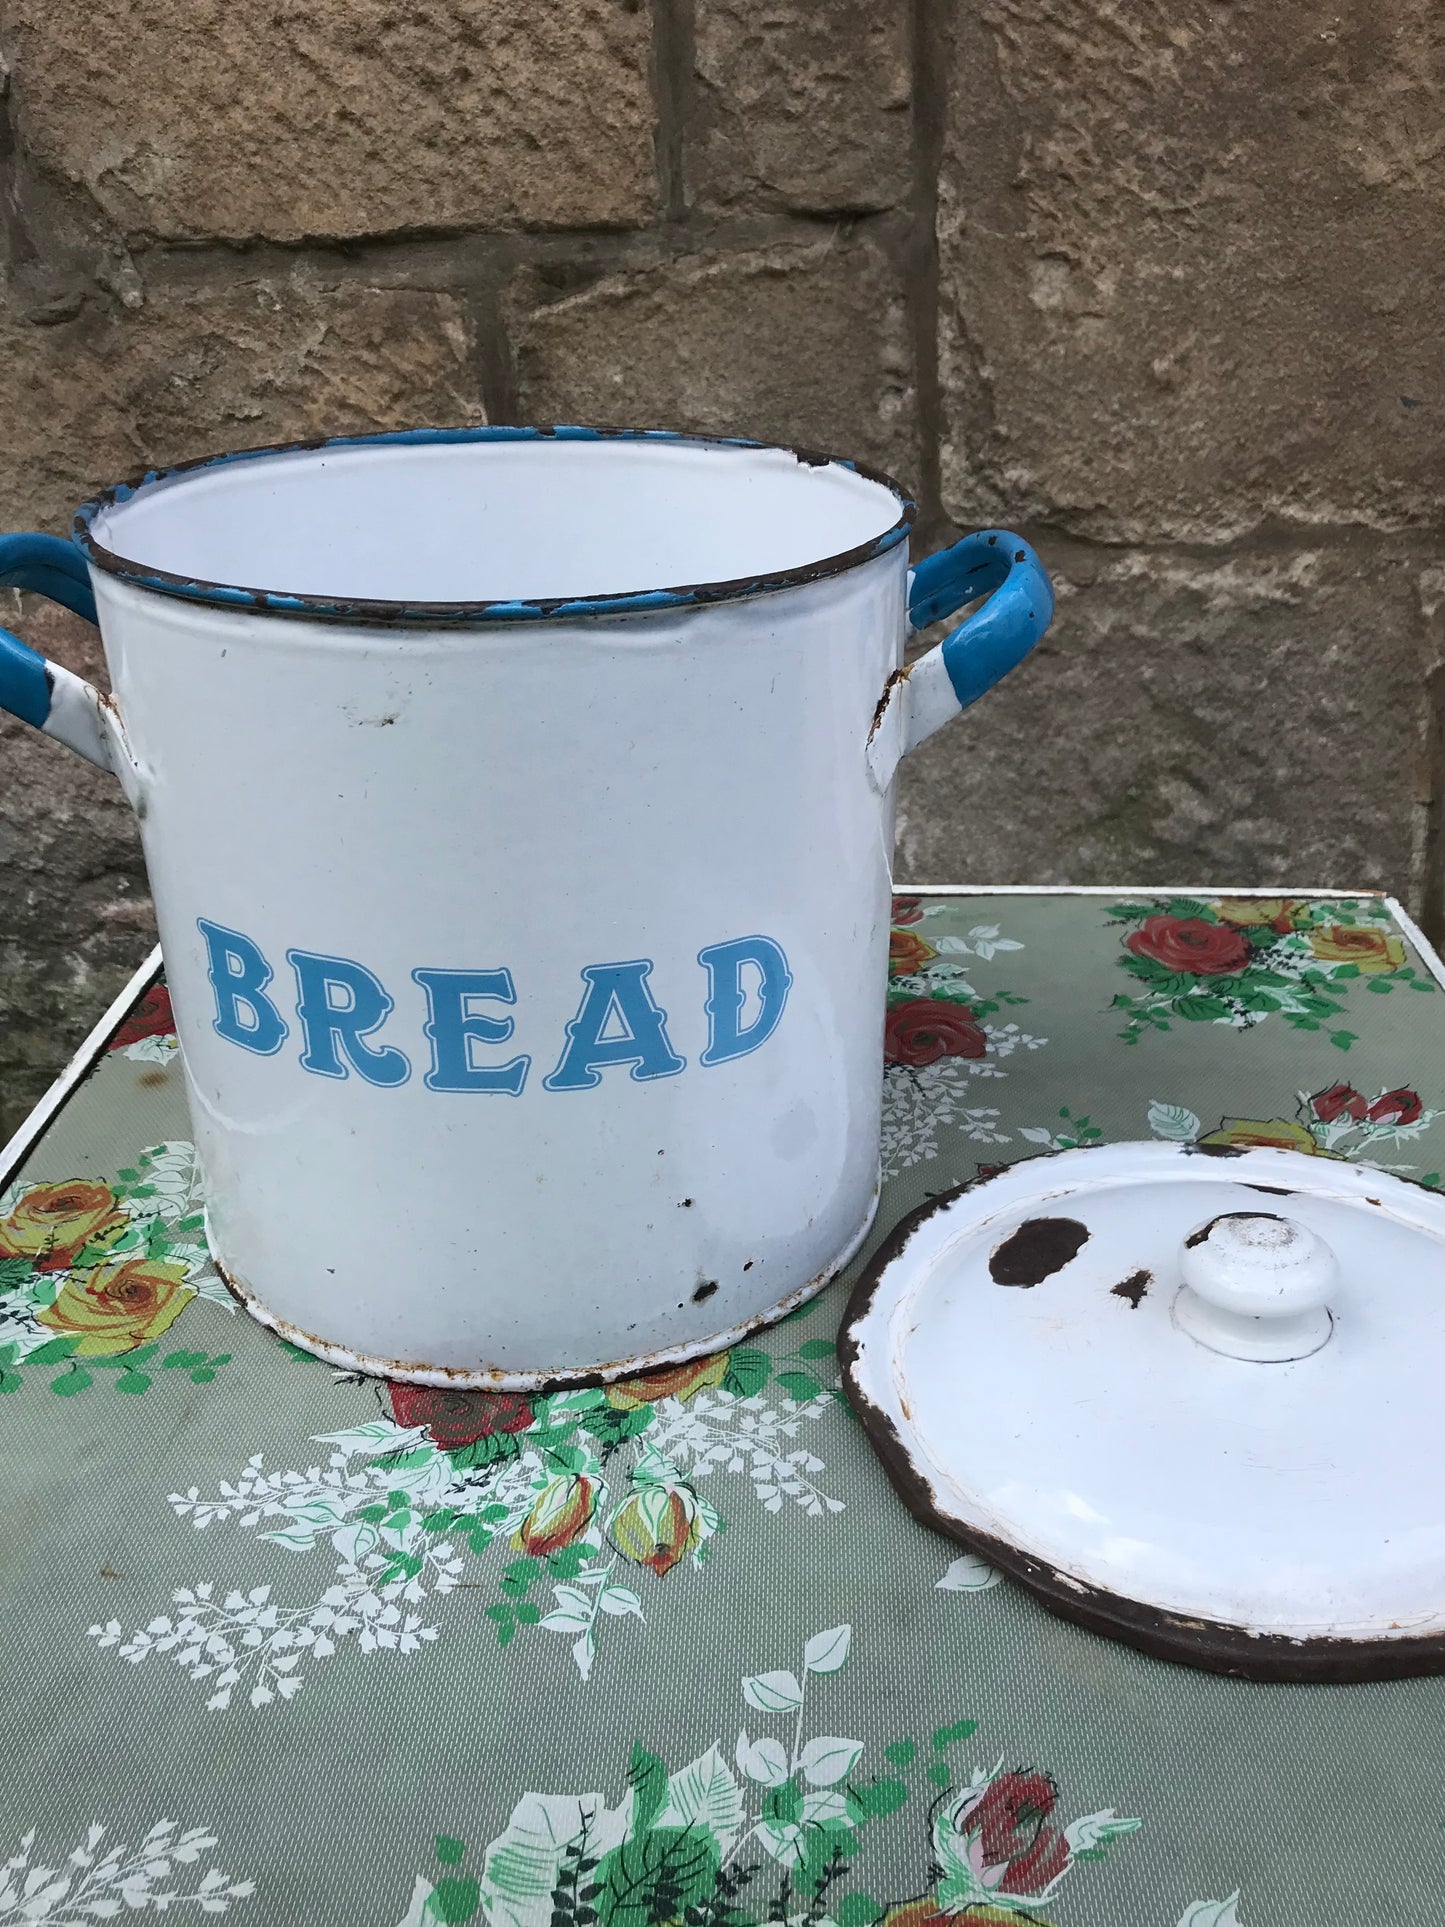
{"type": "Point", "coordinates": [520, 840]}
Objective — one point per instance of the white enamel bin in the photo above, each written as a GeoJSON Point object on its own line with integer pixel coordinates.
{"type": "Point", "coordinates": [517, 805]}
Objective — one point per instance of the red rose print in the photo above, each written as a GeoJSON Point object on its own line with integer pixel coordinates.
{"type": "Point", "coordinates": [1191, 945]}
{"type": "Point", "coordinates": [927, 1028]}
{"type": "Point", "coordinates": [1340, 1100]}
{"type": "Point", "coordinates": [151, 1018]}
{"type": "Point", "coordinates": [1395, 1107]}
{"type": "Point", "coordinates": [907, 909]}
{"type": "Point", "coordinates": [920, 1913]}
{"type": "Point", "coordinates": [1008, 1822]}
{"type": "Point", "coordinates": [456, 1417]}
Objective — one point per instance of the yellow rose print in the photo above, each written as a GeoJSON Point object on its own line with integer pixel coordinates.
{"type": "Point", "coordinates": [1248, 1133]}
{"type": "Point", "coordinates": [1373, 950]}
{"type": "Point", "coordinates": [675, 1381]}
{"type": "Point", "coordinates": [52, 1222]}
{"type": "Point", "coordinates": [119, 1306]}
{"type": "Point", "coordinates": [1249, 913]}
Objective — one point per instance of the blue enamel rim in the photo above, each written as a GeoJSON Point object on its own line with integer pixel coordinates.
{"type": "Point", "coordinates": [362, 609]}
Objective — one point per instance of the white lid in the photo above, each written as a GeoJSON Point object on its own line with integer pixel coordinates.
{"type": "Point", "coordinates": [1197, 1401]}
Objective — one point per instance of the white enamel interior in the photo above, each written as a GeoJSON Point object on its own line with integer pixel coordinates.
{"type": "Point", "coordinates": [1298, 1498]}
{"type": "Point", "coordinates": [478, 521]}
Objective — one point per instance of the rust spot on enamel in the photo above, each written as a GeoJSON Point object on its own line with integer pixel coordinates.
{"type": "Point", "coordinates": [1134, 1287]}
{"type": "Point", "coordinates": [1040, 1247]}
{"type": "Point", "coordinates": [1198, 1237]}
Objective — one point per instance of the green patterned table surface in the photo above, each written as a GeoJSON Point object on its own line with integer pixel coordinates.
{"type": "Point", "coordinates": [286, 1642]}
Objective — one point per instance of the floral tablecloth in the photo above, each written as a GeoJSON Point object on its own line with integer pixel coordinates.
{"type": "Point", "coordinates": [285, 1642]}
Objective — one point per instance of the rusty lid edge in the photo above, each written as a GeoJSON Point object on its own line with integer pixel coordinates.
{"type": "Point", "coordinates": [1207, 1645]}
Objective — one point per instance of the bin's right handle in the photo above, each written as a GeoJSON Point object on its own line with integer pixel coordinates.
{"type": "Point", "coordinates": [984, 647]}
{"type": "Point", "coordinates": [45, 693]}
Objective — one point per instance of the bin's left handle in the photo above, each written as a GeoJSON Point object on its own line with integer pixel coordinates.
{"type": "Point", "coordinates": [981, 650]}
{"type": "Point", "coordinates": [44, 693]}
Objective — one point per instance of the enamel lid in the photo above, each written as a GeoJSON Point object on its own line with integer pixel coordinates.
{"type": "Point", "coordinates": [1193, 1400]}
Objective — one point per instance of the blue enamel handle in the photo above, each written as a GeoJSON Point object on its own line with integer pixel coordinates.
{"type": "Point", "coordinates": [921, 698]}
{"type": "Point", "coordinates": [40, 692]}
{"type": "Point", "coordinates": [997, 637]}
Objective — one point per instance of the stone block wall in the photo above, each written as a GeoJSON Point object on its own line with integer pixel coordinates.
{"type": "Point", "coordinates": [1163, 287]}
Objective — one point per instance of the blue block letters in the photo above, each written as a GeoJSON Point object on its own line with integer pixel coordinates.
{"type": "Point", "coordinates": [616, 995]}
{"type": "Point", "coordinates": [452, 1024]}
{"type": "Point", "coordinates": [239, 975]}
{"type": "Point", "coordinates": [338, 1002]}
{"type": "Point", "coordinates": [727, 996]}
{"type": "Point", "coordinates": [619, 1023]}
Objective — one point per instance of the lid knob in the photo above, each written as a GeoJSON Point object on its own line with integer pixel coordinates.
{"type": "Point", "coordinates": [1255, 1286]}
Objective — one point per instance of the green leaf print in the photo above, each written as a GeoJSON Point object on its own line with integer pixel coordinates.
{"type": "Point", "coordinates": [783, 1805]}
{"type": "Point", "coordinates": [52, 1351]}
{"type": "Point", "coordinates": [1201, 1010]}
{"type": "Point", "coordinates": [517, 1580]}
{"type": "Point", "coordinates": [857, 1910]}
{"type": "Point", "coordinates": [655, 1876]}
{"type": "Point", "coordinates": [455, 1899]}
{"type": "Point", "coordinates": [882, 1797]}
{"type": "Point", "coordinates": [649, 1788]}
{"type": "Point", "coordinates": [612, 1428]}
{"type": "Point", "coordinates": [748, 1371]}
{"type": "Point", "coordinates": [947, 1736]}
{"type": "Point", "coordinates": [491, 1449]}
{"type": "Point", "coordinates": [703, 1848]}
{"type": "Point", "coordinates": [1192, 907]}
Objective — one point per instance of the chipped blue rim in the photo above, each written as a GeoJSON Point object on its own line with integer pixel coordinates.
{"type": "Point", "coordinates": [360, 609]}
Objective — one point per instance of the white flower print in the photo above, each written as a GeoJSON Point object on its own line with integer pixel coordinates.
{"type": "Point", "coordinates": [99, 1882]}
{"type": "Point", "coordinates": [398, 1511]}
